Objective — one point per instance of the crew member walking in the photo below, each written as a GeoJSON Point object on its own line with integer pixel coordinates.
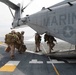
{"type": "Point", "coordinates": [37, 42]}
{"type": "Point", "coordinates": [50, 41]}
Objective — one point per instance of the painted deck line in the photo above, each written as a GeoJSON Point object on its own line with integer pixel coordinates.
{"type": "Point", "coordinates": [34, 61]}
{"type": "Point", "coordinates": [10, 66]}
{"type": "Point", "coordinates": [54, 61]}
{"type": "Point", "coordinates": [39, 53]}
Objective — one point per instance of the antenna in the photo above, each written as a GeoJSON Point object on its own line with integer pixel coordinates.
{"type": "Point", "coordinates": [26, 5]}
{"type": "Point", "coordinates": [22, 4]}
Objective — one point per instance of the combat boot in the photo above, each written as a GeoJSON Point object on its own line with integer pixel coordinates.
{"type": "Point", "coordinates": [12, 56]}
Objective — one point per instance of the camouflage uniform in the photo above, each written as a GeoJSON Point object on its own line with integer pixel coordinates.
{"type": "Point", "coordinates": [50, 41]}
{"type": "Point", "coordinates": [21, 47]}
{"type": "Point", "coordinates": [12, 47]}
{"type": "Point", "coordinates": [11, 40]}
{"type": "Point", "coordinates": [22, 37]}
{"type": "Point", "coordinates": [37, 41]}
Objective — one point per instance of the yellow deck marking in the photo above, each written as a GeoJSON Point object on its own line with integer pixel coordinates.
{"type": "Point", "coordinates": [52, 62]}
{"type": "Point", "coordinates": [9, 66]}
{"type": "Point", "coordinates": [56, 70]}
{"type": "Point", "coordinates": [1, 42]}
{"type": "Point", "coordinates": [54, 67]}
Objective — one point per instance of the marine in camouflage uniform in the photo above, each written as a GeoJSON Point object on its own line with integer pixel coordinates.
{"type": "Point", "coordinates": [50, 41]}
{"type": "Point", "coordinates": [11, 39]}
{"type": "Point", "coordinates": [22, 47]}
{"type": "Point", "coordinates": [37, 42]}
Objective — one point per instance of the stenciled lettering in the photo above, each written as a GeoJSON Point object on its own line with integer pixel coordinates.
{"type": "Point", "coordinates": [73, 18]}
{"type": "Point", "coordinates": [54, 21]}
{"type": "Point", "coordinates": [63, 19]}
